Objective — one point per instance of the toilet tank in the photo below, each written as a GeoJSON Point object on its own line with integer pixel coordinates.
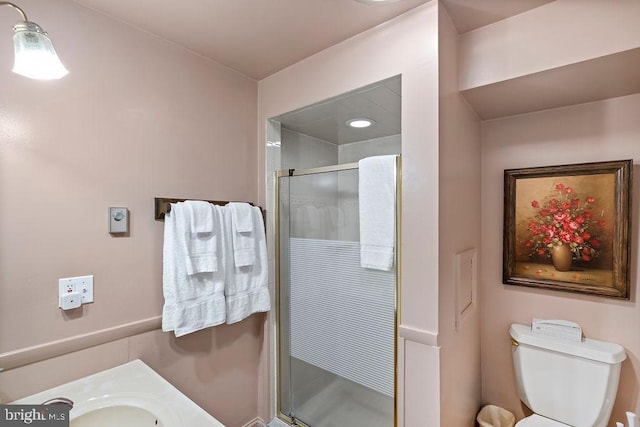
{"type": "Point", "coordinates": [571, 382]}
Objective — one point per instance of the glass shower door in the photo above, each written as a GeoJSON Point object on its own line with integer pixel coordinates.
{"type": "Point", "coordinates": [336, 319]}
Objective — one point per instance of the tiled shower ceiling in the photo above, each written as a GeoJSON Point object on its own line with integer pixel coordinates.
{"type": "Point", "coordinates": [327, 120]}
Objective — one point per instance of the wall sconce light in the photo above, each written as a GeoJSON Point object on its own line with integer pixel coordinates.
{"type": "Point", "coordinates": [35, 56]}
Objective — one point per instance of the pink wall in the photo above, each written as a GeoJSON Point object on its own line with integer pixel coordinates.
{"type": "Point", "coordinates": [599, 131]}
{"type": "Point", "coordinates": [563, 53]}
{"type": "Point", "coordinates": [408, 46]}
{"type": "Point", "coordinates": [537, 57]}
{"type": "Point", "coordinates": [554, 35]}
{"type": "Point", "coordinates": [137, 117]}
{"type": "Point", "coordinates": [459, 230]}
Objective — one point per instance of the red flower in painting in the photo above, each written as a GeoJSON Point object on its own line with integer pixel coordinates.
{"type": "Point", "coordinates": [564, 218]}
{"type": "Point", "coordinates": [561, 217]}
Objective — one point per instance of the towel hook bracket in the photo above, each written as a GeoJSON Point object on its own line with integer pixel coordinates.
{"type": "Point", "coordinates": [163, 205]}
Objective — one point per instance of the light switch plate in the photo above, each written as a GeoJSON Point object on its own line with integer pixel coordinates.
{"type": "Point", "coordinates": [83, 285]}
{"type": "Point", "coordinates": [118, 220]}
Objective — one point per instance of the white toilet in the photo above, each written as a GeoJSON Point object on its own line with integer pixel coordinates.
{"type": "Point", "coordinates": [565, 383]}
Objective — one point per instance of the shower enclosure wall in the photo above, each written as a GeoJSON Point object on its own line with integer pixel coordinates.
{"type": "Point", "coordinates": [336, 322]}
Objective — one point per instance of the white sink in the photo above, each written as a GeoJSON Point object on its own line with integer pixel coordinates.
{"type": "Point", "coordinates": [122, 415]}
{"type": "Point", "coordinates": [124, 410]}
{"type": "Point", "coordinates": [129, 395]}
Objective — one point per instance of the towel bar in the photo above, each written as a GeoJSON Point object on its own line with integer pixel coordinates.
{"type": "Point", "coordinates": [163, 205]}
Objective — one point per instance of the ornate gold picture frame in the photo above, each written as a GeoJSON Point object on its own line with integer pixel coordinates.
{"type": "Point", "coordinates": [568, 228]}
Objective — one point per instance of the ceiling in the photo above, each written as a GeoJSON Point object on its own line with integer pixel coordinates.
{"type": "Point", "coordinates": [327, 120]}
{"type": "Point", "coordinates": [468, 15]}
{"type": "Point", "coordinates": [260, 37]}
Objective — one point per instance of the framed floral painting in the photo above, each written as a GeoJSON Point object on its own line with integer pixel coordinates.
{"type": "Point", "coordinates": [568, 228]}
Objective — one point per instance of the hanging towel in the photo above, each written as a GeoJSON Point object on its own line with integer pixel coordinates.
{"type": "Point", "coordinates": [201, 236]}
{"type": "Point", "coordinates": [377, 196]}
{"type": "Point", "coordinates": [244, 241]}
{"type": "Point", "coordinates": [247, 287]}
{"type": "Point", "coordinates": [242, 216]}
{"type": "Point", "coordinates": [191, 302]}
{"type": "Point", "coordinates": [201, 216]}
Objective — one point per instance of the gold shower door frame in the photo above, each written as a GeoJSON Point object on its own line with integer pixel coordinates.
{"type": "Point", "coordinates": [397, 263]}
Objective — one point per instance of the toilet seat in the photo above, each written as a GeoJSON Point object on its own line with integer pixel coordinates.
{"type": "Point", "coordinates": [536, 420]}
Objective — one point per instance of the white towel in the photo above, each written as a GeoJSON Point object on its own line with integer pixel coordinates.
{"type": "Point", "coordinates": [201, 216]}
{"type": "Point", "coordinates": [191, 302]}
{"type": "Point", "coordinates": [377, 196]}
{"type": "Point", "coordinates": [247, 287]}
{"type": "Point", "coordinates": [242, 216]}
{"type": "Point", "coordinates": [201, 230]}
{"type": "Point", "coordinates": [244, 242]}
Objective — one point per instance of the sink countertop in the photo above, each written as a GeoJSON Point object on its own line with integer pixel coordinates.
{"type": "Point", "coordinates": [132, 378]}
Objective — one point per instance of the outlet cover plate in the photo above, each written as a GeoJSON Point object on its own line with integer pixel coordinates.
{"type": "Point", "coordinates": [81, 284]}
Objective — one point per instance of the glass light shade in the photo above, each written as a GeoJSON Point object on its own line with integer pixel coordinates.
{"type": "Point", "coordinates": [35, 56]}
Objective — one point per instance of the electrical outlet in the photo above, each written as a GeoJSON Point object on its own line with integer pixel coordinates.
{"type": "Point", "coordinates": [69, 287]}
{"type": "Point", "coordinates": [83, 285]}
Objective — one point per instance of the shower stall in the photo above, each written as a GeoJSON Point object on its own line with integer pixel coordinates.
{"type": "Point", "coordinates": [335, 326]}
{"type": "Point", "coordinates": [336, 321]}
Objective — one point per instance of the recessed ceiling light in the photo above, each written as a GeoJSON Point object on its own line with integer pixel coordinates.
{"type": "Point", "coordinates": [360, 123]}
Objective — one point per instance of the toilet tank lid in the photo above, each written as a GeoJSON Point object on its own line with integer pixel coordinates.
{"type": "Point", "coordinates": [588, 348]}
